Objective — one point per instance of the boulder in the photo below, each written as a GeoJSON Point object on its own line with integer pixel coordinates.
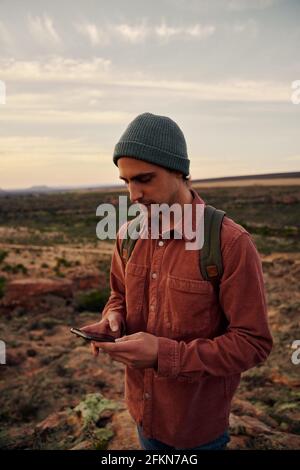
{"type": "Point", "coordinates": [25, 292]}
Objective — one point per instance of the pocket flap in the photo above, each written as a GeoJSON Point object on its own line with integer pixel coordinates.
{"type": "Point", "coordinates": [189, 285]}
{"type": "Point", "coordinates": [136, 269]}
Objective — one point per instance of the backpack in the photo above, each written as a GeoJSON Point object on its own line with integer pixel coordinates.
{"type": "Point", "coordinates": [210, 260]}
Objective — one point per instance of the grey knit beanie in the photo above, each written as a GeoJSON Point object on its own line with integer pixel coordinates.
{"type": "Point", "coordinates": [154, 139]}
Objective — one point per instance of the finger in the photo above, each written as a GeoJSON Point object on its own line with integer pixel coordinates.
{"type": "Point", "coordinates": [119, 358]}
{"type": "Point", "coordinates": [95, 350]}
{"type": "Point", "coordinates": [123, 339]}
{"type": "Point", "coordinates": [94, 327]}
{"type": "Point", "coordinates": [105, 346]}
{"type": "Point", "coordinates": [133, 337]}
{"type": "Point", "coordinates": [126, 346]}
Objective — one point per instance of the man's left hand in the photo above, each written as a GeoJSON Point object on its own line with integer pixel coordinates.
{"type": "Point", "coordinates": [138, 351]}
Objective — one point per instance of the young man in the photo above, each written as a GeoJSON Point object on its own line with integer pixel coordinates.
{"type": "Point", "coordinates": [186, 342]}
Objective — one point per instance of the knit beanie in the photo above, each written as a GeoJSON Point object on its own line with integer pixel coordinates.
{"type": "Point", "coordinates": [154, 139]}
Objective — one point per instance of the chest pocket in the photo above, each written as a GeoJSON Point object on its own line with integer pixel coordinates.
{"type": "Point", "coordinates": [187, 307]}
{"type": "Point", "coordinates": [135, 279]}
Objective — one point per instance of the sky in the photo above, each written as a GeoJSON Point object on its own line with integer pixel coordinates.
{"type": "Point", "coordinates": [73, 74]}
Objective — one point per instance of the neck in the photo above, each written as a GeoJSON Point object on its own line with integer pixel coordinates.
{"type": "Point", "coordinates": [185, 196]}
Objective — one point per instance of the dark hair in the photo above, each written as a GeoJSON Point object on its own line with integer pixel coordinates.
{"type": "Point", "coordinates": [187, 179]}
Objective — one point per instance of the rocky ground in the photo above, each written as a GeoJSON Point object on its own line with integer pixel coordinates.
{"type": "Point", "coordinates": [54, 394]}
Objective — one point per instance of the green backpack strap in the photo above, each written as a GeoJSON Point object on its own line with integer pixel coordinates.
{"type": "Point", "coordinates": [128, 243]}
{"type": "Point", "coordinates": [211, 265]}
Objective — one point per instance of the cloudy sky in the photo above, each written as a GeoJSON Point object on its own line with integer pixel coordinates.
{"type": "Point", "coordinates": [77, 72]}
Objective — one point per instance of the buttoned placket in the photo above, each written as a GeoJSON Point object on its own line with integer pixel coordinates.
{"type": "Point", "coordinates": [155, 269]}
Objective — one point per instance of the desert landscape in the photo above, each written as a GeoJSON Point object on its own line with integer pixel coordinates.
{"type": "Point", "coordinates": [54, 274]}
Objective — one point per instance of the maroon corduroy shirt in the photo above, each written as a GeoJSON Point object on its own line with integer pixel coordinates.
{"type": "Point", "coordinates": [205, 342]}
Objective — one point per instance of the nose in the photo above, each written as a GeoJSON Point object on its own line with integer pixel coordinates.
{"type": "Point", "coordinates": [135, 192]}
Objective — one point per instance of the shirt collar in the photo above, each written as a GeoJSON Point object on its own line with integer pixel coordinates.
{"type": "Point", "coordinates": [180, 226]}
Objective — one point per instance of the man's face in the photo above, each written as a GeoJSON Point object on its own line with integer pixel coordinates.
{"type": "Point", "coordinates": [149, 184]}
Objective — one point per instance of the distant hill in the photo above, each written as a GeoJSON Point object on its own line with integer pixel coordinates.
{"type": "Point", "coordinates": [294, 174]}
{"type": "Point", "coordinates": [266, 178]}
{"type": "Point", "coordinates": [43, 189]}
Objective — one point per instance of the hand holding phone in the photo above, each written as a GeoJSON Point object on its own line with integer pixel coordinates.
{"type": "Point", "coordinates": [99, 337]}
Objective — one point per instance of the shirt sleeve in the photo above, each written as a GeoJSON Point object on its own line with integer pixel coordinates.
{"type": "Point", "coordinates": [116, 299]}
{"type": "Point", "coordinates": [247, 340]}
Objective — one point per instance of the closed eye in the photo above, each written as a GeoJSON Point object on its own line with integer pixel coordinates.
{"type": "Point", "coordinates": [140, 178]}
{"type": "Point", "coordinates": [145, 179]}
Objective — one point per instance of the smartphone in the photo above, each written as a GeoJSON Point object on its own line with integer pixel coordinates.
{"type": "Point", "coordinates": [99, 337]}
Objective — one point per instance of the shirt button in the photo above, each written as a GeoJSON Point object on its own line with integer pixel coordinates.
{"type": "Point", "coordinates": [160, 243]}
{"type": "Point", "coordinates": [154, 275]}
{"type": "Point", "coordinates": [147, 396]}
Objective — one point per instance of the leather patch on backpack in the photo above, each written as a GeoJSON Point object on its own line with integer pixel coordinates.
{"type": "Point", "coordinates": [212, 270]}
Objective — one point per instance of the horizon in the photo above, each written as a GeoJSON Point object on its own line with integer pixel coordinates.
{"type": "Point", "coordinates": [283, 175]}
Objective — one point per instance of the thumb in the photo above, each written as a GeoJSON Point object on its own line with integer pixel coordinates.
{"type": "Point", "coordinates": [113, 324]}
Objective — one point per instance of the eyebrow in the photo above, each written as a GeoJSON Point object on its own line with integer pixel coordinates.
{"type": "Point", "coordinates": [138, 177]}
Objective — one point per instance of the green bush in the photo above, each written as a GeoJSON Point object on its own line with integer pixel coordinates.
{"type": "Point", "coordinates": [2, 286]}
{"type": "Point", "coordinates": [63, 262]}
{"type": "Point", "coordinates": [3, 255]}
{"type": "Point", "coordinates": [15, 268]}
{"type": "Point", "coordinates": [93, 301]}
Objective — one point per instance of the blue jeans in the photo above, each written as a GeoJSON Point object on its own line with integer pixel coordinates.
{"type": "Point", "coordinates": [153, 444]}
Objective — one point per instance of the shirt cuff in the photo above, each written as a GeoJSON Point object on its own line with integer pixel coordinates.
{"type": "Point", "coordinates": [168, 363]}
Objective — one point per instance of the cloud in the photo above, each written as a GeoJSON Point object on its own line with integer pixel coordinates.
{"type": "Point", "coordinates": [200, 31]}
{"type": "Point", "coordinates": [98, 73]}
{"type": "Point", "coordinates": [93, 34]}
{"type": "Point", "coordinates": [167, 32]}
{"type": "Point", "coordinates": [132, 34]}
{"type": "Point", "coordinates": [19, 147]}
{"type": "Point", "coordinates": [42, 29]}
{"type": "Point", "coordinates": [58, 116]}
{"type": "Point", "coordinates": [239, 5]}
{"type": "Point", "coordinates": [196, 31]}
{"type": "Point", "coordinates": [5, 36]}
{"type": "Point", "coordinates": [249, 27]}
{"type": "Point", "coordinates": [2, 92]}
{"type": "Point", "coordinates": [293, 158]}
{"type": "Point", "coordinates": [229, 90]}
{"type": "Point", "coordinates": [56, 68]}
{"type": "Point", "coordinates": [139, 32]}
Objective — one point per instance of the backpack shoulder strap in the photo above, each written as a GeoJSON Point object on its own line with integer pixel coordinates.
{"type": "Point", "coordinates": [128, 243]}
{"type": "Point", "coordinates": [211, 265]}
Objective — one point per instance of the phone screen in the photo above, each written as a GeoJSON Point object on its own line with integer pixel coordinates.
{"type": "Point", "coordinates": [99, 337]}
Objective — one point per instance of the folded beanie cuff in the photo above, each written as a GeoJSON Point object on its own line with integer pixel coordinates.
{"type": "Point", "coordinates": [151, 154]}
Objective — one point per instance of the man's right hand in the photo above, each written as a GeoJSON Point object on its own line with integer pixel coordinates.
{"type": "Point", "coordinates": [112, 324]}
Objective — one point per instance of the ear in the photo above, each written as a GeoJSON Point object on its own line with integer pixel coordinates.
{"type": "Point", "coordinates": [178, 174]}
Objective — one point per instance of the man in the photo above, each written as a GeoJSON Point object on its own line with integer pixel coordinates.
{"type": "Point", "coordinates": [186, 343]}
